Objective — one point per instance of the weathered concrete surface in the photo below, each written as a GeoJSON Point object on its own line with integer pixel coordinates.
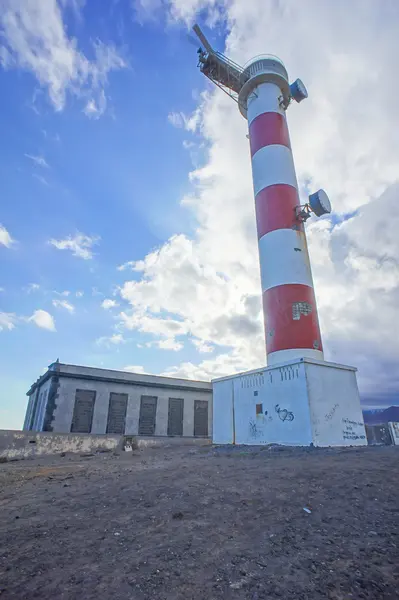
{"type": "Point", "coordinates": [53, 410]}
{"type": "Point", "coordinates": [298, 403]}
{"type": "Point", "coordinates": [154, 442]}
{"type": "Point", "coordinates": [203, 523]}
{"type": "Point", "coordinates": [15, 445]}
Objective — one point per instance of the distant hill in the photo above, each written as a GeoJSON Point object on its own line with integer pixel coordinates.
{"type": "Point", "coordinates": [377, 416]}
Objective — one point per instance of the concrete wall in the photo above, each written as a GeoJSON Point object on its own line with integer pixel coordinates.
{"type": "Point", "coordinates": [21, 444]}
{"type": "Point", "coordinates": [284, 416]}
{"type": "Point", "coordinates": [66, 399]}
{"type": "Point", "coordinates": [37, 407]}
{"type": "Point", "coordinates": [335, 411]}
{"type": "Point", "coordinates": [223, 412]}
{"type": "Point", "coordinates": [394, 429]}
{"type": "Point", "coordinates": [297, 403]}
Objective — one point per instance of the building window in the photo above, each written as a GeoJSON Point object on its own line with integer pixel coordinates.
{"type": "Point", "coordinates": [175, 416]}
{"type": "Point", "coordinates": [259, 409]}
{"type": "Point", "coordinates": [117, 413]}
{"type": "Point", "coordinates": [83, 411]}
{"type": "Point", "coordinates": [201, 418]}
{"type": "Point", "coordinates": [148, 411]}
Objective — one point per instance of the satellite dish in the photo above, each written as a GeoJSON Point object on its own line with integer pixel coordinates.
{"type": "Point", "coordinates": [298, 90]}
{"type": "Point", "coordinates": [320, 203]}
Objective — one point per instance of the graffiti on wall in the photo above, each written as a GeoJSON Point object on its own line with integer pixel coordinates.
{"type": "Point", "coordinates": [284, 414]}
{"type": "Point", "coordinates": [255, 432]}
{"type": "Point", "coordinates": [350, 430]}
{"type": "Point", "coordinates": [330, 415]}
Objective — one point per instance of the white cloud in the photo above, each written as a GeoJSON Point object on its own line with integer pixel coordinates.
{"type": "Point", "coordinates": [80, 245]}
{"type": "Point", "coordinates": [79, 294]}
{"type": "Point", "coordinates": [179, 9]}
{"type": "Point", "coordinates": [40, 161]}
{"type": "Point", "coordinates": [176, 119]}
{"type": "Point", "coordinates": [202, 346]}
{"type": "Point", "coordinates": [145, 322]}
{"type": "Point", "coordinates": [183, 121]}
{"type": "Point", "coordinates": [43, 319]}
{"type": "Point", "coordinates": [65, 293]}
{"type": "Point", "coordinates": [7, 321]}
{"type": "Point", "coordinates": [166, 344]}
{"type": "Point", "coordinates": [35, 39]}
{"type": "Point", "coordinates": [344, 140]}
{"type": "Point", "coordinates": [108, 303]}
{"type": "Point", "coordinates": [32, 287]}
{"type": "Point", "coordinates": [40, 178]}
{"type": "Point", "coordinates": [135, 369]}
{"type": "Point", "coordinates": [5, 238]}
{"type": "Point", "coordinates": [64, 304]}
{"type": "Point", "coordinates": [115, 340]}
{"type": "Point", "coordinates": [169, 344]}
{"type": "Point", "coordinates": [95, 108]}
{"type": "Point", "coordinates": [126, 265]}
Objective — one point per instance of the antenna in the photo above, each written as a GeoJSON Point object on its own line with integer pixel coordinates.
{"type": "Point", "coordinates": [197, 30]}
{"type": "Point", "coordinates": [231, 77]}
{"type": "Point", "coordinates": [222, 71]}
{"type": "Point", "coordinates": [319, 204]}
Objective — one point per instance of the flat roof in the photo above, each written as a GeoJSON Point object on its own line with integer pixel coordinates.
{"type": "Point", "coordinates": [289, 363]}
{"type": "Point", "coordinates": [114, 376]}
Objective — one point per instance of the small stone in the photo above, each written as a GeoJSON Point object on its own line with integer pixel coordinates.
{"type": "Point", "coordinates": [177, 515]}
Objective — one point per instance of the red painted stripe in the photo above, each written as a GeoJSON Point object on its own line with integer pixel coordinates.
{"type": "Point", "coordinates": [283, 332]}
{"type": "Point", "coordinates": [266, 129]}
{"type": "Point", "coordinates": [275, 209]}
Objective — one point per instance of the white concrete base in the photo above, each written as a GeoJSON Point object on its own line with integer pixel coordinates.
{"type": "Point", "coordinates": [298, 403]}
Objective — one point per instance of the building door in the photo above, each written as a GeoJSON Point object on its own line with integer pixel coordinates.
{"type": "Point", "coordinates": [175, 416]}
{"type": "Point", "coordinates": [201, 418]}
{"type": "Point", "coordinates": [117, 413]}
{"type": "Point", "coordinates": [148, 411]}
{"type": "Point", "coordinates": [83, 411]}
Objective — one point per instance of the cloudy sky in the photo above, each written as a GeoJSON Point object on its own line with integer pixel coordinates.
{"type": "Point", "coordinates": [127, 229]}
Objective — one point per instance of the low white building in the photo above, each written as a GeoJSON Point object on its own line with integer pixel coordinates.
{"type": "Point", "coordinates": [70, 398]}
{"type": "Point", "coordinates": [299, 403]}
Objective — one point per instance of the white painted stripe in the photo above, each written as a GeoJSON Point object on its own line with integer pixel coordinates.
{"type": "Point", "coordinates": [263, 99]}
{"type": "Point", "coordinates": [282, 356]}
{"type": "Point", "coordinates": [273, 164]}
{"type": "Point", "coordinates": [284, 259]}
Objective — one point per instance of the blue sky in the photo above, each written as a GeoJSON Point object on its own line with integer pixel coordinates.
{"type": "Point", "coordinates": [127, 236]}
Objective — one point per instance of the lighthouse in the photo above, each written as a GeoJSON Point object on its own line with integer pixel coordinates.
{"type": "Point", "coordinates": [290, 313]}
{"type": "Point", "coordinates": [298, 398]}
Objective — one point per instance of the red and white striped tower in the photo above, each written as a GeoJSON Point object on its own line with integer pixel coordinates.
{"type": "Point", "coordinates": [289, 305]}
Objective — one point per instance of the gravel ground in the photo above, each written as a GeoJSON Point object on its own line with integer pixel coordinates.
{"type": "Point", "coordinates": [202, 523]}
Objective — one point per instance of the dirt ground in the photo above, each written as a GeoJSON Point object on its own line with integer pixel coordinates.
{"type": "Point", "coordinates": [202, 523]}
